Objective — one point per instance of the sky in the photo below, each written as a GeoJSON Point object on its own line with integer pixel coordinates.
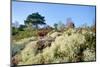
{"type": "Point", "coordinates": [54, 13]}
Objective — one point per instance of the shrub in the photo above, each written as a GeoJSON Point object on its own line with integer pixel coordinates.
{"type": "Point", "coordinates": [14, 31]}
{"type": "Point", "coordinates": [64, 48]}
{"type": "Point", "coordinates": [24, 34]}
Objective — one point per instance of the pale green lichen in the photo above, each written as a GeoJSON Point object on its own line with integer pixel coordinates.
{"type": "Point", "coordinates": [65, 48]}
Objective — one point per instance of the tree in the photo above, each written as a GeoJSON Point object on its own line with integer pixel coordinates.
{"type": "Point", "coordinates": [15, 24]}
{"type": "Point", "coordinates": [14, 30]}
{"type": "Point", "coordinates": [55, 26]}
{"type": "Point", "coordinates": [35, 19]}
{"type": "Point", "coordinates": [21, 27]}
{"type": "Point", "coordinates": [60, 26]}
{"type": "Point", "coordinates": [70, 23]}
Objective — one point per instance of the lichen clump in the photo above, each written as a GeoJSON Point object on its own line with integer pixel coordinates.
{"type": "Point", "coordinates": [76, 47]}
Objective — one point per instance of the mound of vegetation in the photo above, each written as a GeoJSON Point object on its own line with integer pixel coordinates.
{"type": "Point", "coordinates": [76, 47]}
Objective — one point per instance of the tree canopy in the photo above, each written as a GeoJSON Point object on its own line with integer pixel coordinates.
{"type": "Point", "coordinates": [35, 19]}
{"type": "Point", "coordinates": [70, 23]}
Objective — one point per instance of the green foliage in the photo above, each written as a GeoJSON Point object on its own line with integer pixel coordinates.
{"type": "Point", "coordinates": [25, 34]}
{"type": "Point", "coordinates": [35, 19]}
{"type": "Point", "coordinates": [14, 31]}
{"type": "Point", "coordinates": [28, 30]}
{"type": "Point", "coordinates": [21, 27]}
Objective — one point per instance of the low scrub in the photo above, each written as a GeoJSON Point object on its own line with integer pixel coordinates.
{"type": "Point", "coordinates": [68, 46]}
{"type": "Point", "coordinates": [24, 34]}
